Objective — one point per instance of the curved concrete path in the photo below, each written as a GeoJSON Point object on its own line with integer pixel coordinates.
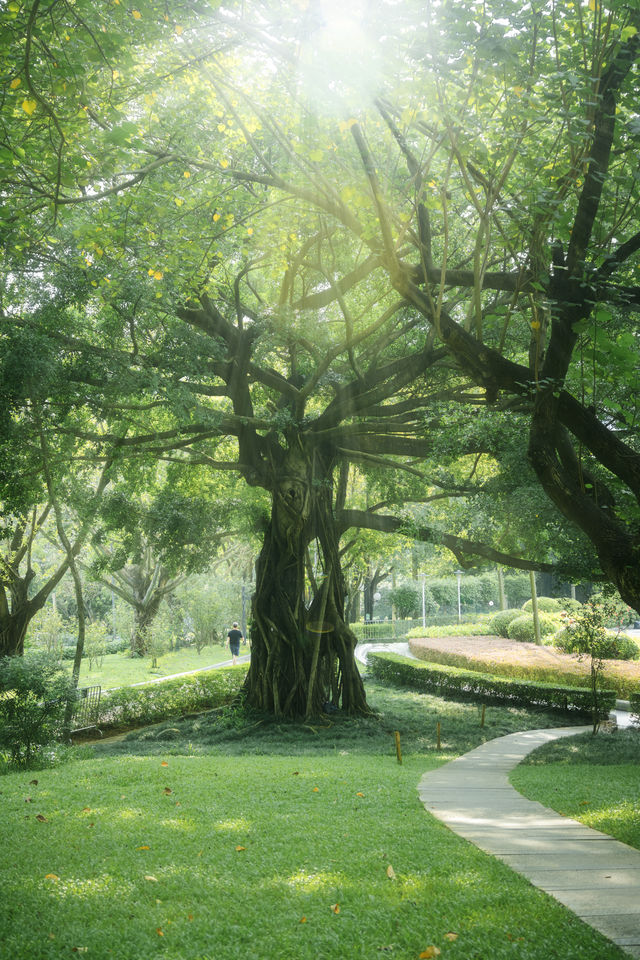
{"type": "Point", "coordinates": [596, 877]}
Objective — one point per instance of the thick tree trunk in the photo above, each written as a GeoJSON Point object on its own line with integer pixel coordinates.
{"type": "Point", "coordinates": [143, 617]}
{"type": "Point", "coordinates": [302, 660]}
{"type": "Point", "coordinates": [13, 630]}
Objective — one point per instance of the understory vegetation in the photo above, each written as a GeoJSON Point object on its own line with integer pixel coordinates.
{"type": "Point", "coordinates": [233, 835]}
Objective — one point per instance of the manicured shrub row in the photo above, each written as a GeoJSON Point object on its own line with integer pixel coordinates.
{"type": "Point", "coordinates": [634, 699]}
{"type": "Point", "coordinates": [164, 700]}
{"type": "Point", "coordinates": [451, 681]}
{"type": "Point", "coordinates": [474, 629]}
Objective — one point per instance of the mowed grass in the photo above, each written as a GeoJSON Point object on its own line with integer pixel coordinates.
{"type": "Point", "coordinates": [221, 838]}
{"type": "Point", "coordinates": [120, 670]}
{"type": "Point", "coordinates": [593, 779]}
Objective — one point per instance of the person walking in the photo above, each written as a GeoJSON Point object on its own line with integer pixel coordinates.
{"type": "Point", "coordinates": [234, 637]}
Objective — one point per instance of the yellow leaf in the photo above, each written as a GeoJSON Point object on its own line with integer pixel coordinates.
{"type": "Point", "coordinates": [178, 30]}
{"type": "Point", "coordinates": [151, 878]}
{"type": "Point", "coordinates": [224, 164]}
{"type": "Point", "coordinates": [186, 174]}
{"type": "Point", "coordinates": [159, 932]}
{"type": "Point", "coordinates": [451, 936]}
{"type": "Point", "coordinates": [347, 124]}
{"type": "Point", "coordinates": [429, 953]}
{"type": "Point", "coordinates": [143, 847]}
{"type": "Point", "coordinates": [216, 217]}
{"type": "Point", "coordinates": [221, 127]}
{"type": "Point", "coordinates": [239, 848]}
{"type": "Point", "coordinates": [164, 764]}
{"type": "Point", "coordinates": [51, 876]}
{"type": "Point", "coordinates": [303, 919]}
{"type": "Point", "coordinates": [151, 272]}
{"type": "Point", "coordinates": [250, 231]}
{"type": "Point", "coordinates": [29, 106]}
{"type": "Point", "coordinates": [189, 916]}
{"type": "Point", "coordinates": [178, 202]}
{"type": "Point", "coordinates": [391, 872]}
{"type": "Point", "coordinates": [359, 794]}
{"type": "Point", "coordinates": [15, 83]}
{"type": "Point", "coordinates": [316, 789]}
{"type": "Point", "coordinates": [335, 907]}
{"type": "Point", "coordinates": [136, 14]}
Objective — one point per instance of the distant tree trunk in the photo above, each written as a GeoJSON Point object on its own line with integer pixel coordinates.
{"type": "Point", "coordinates": [143, 617]}
{"type": "Point", "coordinates": [301, 660]}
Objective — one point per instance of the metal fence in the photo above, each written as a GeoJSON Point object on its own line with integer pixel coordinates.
{"type": "Point", "coordinates": [85, 709]}
{"type": "Point", "coordinates": [397, 629]}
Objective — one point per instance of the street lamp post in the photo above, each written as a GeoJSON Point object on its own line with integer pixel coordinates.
{"type": "Point", "coordinates": [459, 575]}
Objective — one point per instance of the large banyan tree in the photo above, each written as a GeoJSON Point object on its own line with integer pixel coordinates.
{"type": "Point", "coordinates": [294, 245]}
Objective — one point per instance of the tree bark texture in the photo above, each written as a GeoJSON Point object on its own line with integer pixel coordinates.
{"type": "Point", "coordinates": [302, 659]}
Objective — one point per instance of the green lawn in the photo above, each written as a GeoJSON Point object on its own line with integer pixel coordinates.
{"type": "Point", "coordinates": [119, 669]}
{"type": "Point", "coordinates": [225, 838]}
{"type": "Point", "coordinates": [593, 779]}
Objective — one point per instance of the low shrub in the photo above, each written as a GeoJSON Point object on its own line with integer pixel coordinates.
{"type": "Point", "coordinates": [164, 700]}
{"type": "Point", "coordinates": [33, 693]}
{"type": "Point", "coordinates": [523, 628]}
{"type": "Point", "coordinates": [478, 629]}
{"type": "Point", "coordinates": [499, 622]}
{"type": "Point", "coordinates": [390, 668]}
{"type": "Point", "coordinates": [570, 606]}
{"type": "Point", "coordinates": [545, 605]}
{"type": "Point", "coordinates": [616, 646]}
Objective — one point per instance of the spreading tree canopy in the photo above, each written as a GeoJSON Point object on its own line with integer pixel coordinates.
{"type": "Point", "coordinates": [289, 244]}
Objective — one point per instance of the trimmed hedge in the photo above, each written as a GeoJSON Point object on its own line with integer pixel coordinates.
{"type": "Point", "coordinates": [634, 699]}
{"type": "Point", "coordinates": [167, 699]}
{"type": "Point", "coordinates": [523, 628]}
{"type": "Point", "coordinates": [545, 605]}
{"type": "Point", "coordinates": [499, 622]}
{"type": "Point", "coordinates": [453, 682]}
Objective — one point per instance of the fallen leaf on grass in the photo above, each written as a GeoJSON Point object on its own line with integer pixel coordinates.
{"type": "Point", "coordinates": [189, 916]}
{"type": "Point", "coordinates": [33, 783]}
{"type": "Point", "coordinates": [359, 794]}
{"type": "Point", "coordinates": [451, 936]}
{"type": "Point", "coordinates": [303, 919]}
{"type": "Point", "coordinates": [164, 764]}
{"type": "Point", "coordinates": [239, 848]}
{"type": "Point", "coordinates": [41, 818]}
{"type": "Point", "coordinates": [51, 876]}
{"type": "Point", "coordinates": [79, 949]}
{"type": "Point", "coordinates": [335, 907]}
{"type": "Point", "coordinates": [159, 931]}
{"type": "Point", "coordinates": [391, 872]}
{"type": "Point", "coordinates": [429, 953]}
{"type": "Point", "coordinates": [168, 790]}
{"type": "Point", "coordinates": [151, 878]}
{"type": "Point", "coordinates": [144, 847]}
{"type": "Point", "coordinates": [86, 809]}
{"type": "Point", "coordinates": [316, 789]}
{"type": "Point", "coordinates": [28, 800]}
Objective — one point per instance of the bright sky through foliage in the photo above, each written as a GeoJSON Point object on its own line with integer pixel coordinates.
{"type": "Point", "coordinates": [340, 62]}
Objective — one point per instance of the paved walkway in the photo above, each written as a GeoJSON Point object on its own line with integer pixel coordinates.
{"type": "Point", "coordinates": [596, 877]}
